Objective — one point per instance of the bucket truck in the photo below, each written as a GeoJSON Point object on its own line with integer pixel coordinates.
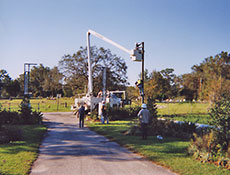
{"type": "Point", "coordinates": [89, 99]}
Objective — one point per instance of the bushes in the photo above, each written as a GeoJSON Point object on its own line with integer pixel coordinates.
{"type": "Point", "coordinates": [165, 128]}
{"type": "Point", "coordinates": [214, 146]}
{"type": "Point", "coordinates": [24, 116]}
{"type": "Point", "coordinates": [171, 129]}
{"type": "Point", "coordinates": [10, 133]}
{"type": "Point", "coordinates": [123, 113]}
{"type": "Point", "coordinates": [220, 118]}
{"type": "Point", "coordinates": [7, 117]}
{"type": "Point", "coordinates": [131, 112]}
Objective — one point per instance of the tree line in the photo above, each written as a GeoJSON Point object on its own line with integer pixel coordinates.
{"type": "Point", "coordinates": [205, 82]}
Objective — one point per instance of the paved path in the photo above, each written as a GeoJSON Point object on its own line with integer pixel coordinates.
{"type": "Point", "coordinates": [69, 150]}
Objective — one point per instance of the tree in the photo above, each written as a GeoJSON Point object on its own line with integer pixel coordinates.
{"type": "Point", "coordinates": [43, 81]}
{"type": "Point", "coordinates": [189, 86]}
{"type": "Point", "coordinates": [157, 87]}
{"type": "Point", "coordinates": [52, 83]}
{"type": "Point", "coordinates": [13, 88]}
{"type": "Point", "coordinates": [170, 77]}
{"type": "Point", "coordinates": [5, 80]}
{"type": "Point", "coordinates": [38, 77]}
{"type": "Point", "coordinates": [213, 74]}
{"type": "Point", "coordinates": [75, 70]}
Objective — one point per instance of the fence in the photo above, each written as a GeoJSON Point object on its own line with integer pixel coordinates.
{"type": "Point", "coordinates": [42, 105]}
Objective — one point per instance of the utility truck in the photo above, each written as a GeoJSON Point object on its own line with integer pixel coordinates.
{"type": "Point", "coordinates": [135, 54]}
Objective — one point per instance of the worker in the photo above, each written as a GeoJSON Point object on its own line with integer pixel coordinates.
{"type": "Point", "coordinates": [81, 112]}
{"type": "Point", "coordinates": [104, 113]}
{"type": "Point", "coordinates": [144, 117]}
{"type": "Point", "coordinates": [139, 84]}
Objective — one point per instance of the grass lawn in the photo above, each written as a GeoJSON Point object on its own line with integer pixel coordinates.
{"type": "Point", "coordinates": [17, 157]}
{"type": "Point", "coordinates": [202, 118]}
{"type": "Point", "coordinates": [43, 105]}
{"type": "Point", "coordinates": [192, 112]}
{"type": "Point", "coordinates": [182, 108]}
{"type": "Point", "coordinates": [171, 152]}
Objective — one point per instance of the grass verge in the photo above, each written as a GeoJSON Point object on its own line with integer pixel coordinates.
{"type": "Point", "coordinates": [170, 152]}
{"type": "Point", "coordinates": [17, 157]}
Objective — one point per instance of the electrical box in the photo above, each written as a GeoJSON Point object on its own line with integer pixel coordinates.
{"type": "Point", "coordinates": [136, 55]}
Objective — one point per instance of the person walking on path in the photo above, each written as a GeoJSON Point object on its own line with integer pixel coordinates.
{"type": "Point", "coordinates": [144, 117]}
{"type": "Point", "coordinates": [81, 113]}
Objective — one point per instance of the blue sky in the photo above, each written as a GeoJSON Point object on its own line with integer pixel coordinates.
{"type": "Point", "coordinates": [177, 33]}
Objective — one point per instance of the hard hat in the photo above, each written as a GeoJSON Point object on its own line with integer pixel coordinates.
{"type": "Point", "coordinates": [144, 105]}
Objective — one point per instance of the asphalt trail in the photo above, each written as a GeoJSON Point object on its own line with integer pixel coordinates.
{"type": "Point", "coordinates": [69, 150]}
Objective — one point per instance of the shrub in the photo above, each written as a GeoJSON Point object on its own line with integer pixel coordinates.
{"type": "Point", "coordinates": [164, 128]}
{"type": "Point", "coordinates": [214, 146]}
{"type": "Point", "coordinates": [204, 147]}
{"type": "Point", "coordinates": [25, 111]}
{"type": "Point", "coordinates": [170, 128]}
{"type": "Point", "coordinates": [220, 119]}
{"type": "Point", "coordinates": [123, 113]}
{"type": "Point", "coordinates": [7, 117]}
{"type": "Point", "coordinates": [27, 116]}
{"type": "Point", "coordinates": [9, 133]}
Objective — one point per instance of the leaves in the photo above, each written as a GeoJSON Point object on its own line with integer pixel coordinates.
{"type": "Point", "coordinates": [75, 70]}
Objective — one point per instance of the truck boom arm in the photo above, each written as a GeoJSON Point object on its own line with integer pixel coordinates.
{"type": "Point", "coordinates": [135, 55]}
{"type": "Point", "coordinates": [109, 41]}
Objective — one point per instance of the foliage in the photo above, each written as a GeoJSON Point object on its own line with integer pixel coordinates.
{"type": "Point", "coordinates": [123, 113]}
{"type": "Point", "coordinates": [43, 82]}
{"type": "Point", "coordinates": [152, 107]}
{"type": "Point", "coordinates": [9, 133]}
{"type": "Point", "coordinates": [206, 148]}
{"type": "Point", "coordinates": [189, 86]}
{"type": "Point", "coordinates": [8, 117]}
{"type": "Point", "coordinates": [75, 69]}
{"type": "Point", "coordinates": [204, 144]}
{"type": "Point", "coordinates": [8, 87]}
{"type": "Point", "coordinates": [170, 128]}
{"type": "Point", "coordinates": [213, 76]}
{"type": "Point", "coordinates": [156, 87]}
{"type": "Point", "coordinates": [17, 157]}
{"type": "Point", "coordinates": [170, 152]}
{"type": "Point", "coordinates": [27, 115]}
{"type": "Point", "coordinates": [220, 119]}
{"type": "Point", "coordinates": [214, 146]}
{"type": "Point", "coordinates": [160, 127]}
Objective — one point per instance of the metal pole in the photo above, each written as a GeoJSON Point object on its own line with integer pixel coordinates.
{"type": "Point", "coordinates": [90, 83]}
{"type": "Point", "coordinates": [104, 84]}
{"type": "Point", "coordinates": [143, 71]}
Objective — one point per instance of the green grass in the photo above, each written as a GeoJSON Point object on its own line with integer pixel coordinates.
{"type": "Point", "coordinates": [43, 105]}
{"type": "Point", "coordinates": [171, 152]}
{"type": "Point", "coordinates": [17, 157]}
{"type": "Point", "coordinates": [192, 112]}
{"type": "Point", "coordinates": [202, 119]}
{"type": "Point", "coordinates": [182, 108]}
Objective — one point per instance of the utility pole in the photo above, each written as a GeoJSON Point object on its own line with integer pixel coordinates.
{"type": "Point", "coordinates": [140, 46]}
